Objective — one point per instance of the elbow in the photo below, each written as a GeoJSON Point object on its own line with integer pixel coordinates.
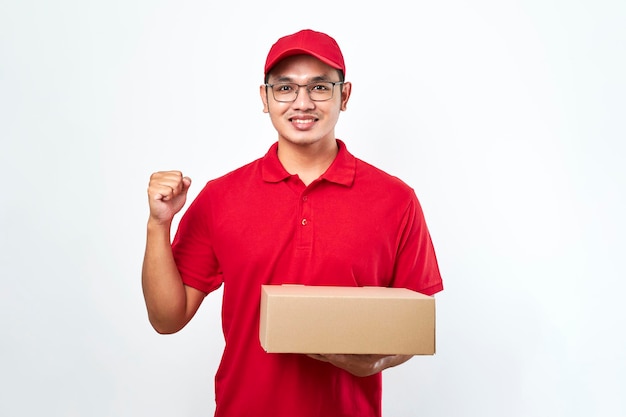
{"type": "Point", "coordinates": [165, 327]}
{"type": "Point", "coordinates": [164, 330]}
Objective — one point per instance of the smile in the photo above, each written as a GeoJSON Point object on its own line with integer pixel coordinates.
{"type": "Point", "coordinates": [303, 121]}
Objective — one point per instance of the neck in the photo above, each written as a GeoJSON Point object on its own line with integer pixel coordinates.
{"type": "Point", "coordinates": [308, 162]}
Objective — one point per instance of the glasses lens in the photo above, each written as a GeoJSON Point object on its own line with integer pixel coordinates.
{"type": "Point", "coordinates": [320, 91]}
{"type": "Point", "coordinates": [285, 91]}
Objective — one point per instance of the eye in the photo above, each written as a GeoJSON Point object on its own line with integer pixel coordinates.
{"type": "Point", "coordinates": [319, 87]}
{"type": "Point", "coordinates": [283, 88]}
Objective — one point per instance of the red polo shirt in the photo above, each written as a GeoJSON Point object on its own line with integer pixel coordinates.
{"type": "Point", "coordinates": [354, 226]}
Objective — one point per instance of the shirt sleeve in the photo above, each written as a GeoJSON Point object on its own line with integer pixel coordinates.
{"type": "Point", "coordinates": [192, 248]}
{"type": "Point", "coordinates": [416, 264]}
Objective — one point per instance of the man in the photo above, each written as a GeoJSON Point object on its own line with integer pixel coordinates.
{"type": "Point", "coordinates": [308, 212]}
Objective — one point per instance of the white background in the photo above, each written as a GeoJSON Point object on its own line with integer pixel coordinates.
{"type": "Point", "coordinates": [507, 117]}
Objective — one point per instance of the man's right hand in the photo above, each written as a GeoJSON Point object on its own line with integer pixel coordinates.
{"type": "Point", "coordinates": [167, 194]}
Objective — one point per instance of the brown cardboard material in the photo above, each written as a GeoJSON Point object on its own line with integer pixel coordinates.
{"type": "Point", "coordinates": [359, 320]}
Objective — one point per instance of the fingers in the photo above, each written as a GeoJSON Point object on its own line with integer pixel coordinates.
{"type": "Point", "coordinates": [166, 185]}
{"type": "Point", "coordinates": [318, 357]}
{"type": "Point", "coordinates": [357, 364]}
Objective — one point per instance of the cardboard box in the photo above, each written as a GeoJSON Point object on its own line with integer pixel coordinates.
{"type": "Point", "coordinates": [326, 319]}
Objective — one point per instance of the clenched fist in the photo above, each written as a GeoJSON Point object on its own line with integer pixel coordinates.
{"type": "Point", "coordinates": [167, 194]}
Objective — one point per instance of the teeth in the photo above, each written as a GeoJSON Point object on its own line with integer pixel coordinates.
{"type": "Point", "coordinates": [302, 121]}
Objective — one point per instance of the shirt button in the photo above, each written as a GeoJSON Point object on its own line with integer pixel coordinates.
{"type": "Point", "coordinates": [304, 222]}
{"type": "Point", "coordinates": [305, 198]}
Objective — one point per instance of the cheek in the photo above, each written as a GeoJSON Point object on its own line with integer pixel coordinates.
{"type": "Point", "coordinates": [276, 119]}
{"type": "Point", "coordinates": [335, 115]}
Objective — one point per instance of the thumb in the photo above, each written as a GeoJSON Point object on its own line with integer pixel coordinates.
{"type": "Point", "coordinates": [186, 184]}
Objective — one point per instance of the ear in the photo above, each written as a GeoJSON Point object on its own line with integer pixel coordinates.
{"type": "Point", "coordinates": [263, 93]}
{"type": "Point", "coordinates": [346, 90]}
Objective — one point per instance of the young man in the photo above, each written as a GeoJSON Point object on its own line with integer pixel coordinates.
{"type": "Point", "coordinates": [308, 212]}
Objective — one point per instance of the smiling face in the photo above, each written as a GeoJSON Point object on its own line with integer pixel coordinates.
{"type": "Point", "coordinates": [305, 122]}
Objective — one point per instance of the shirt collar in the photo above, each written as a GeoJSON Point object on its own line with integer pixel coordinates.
{"type": "Point", "coordinates": [342, 171]}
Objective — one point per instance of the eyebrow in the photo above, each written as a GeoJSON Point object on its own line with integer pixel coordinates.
{"type": "Point", "coordinates": [286, 79]}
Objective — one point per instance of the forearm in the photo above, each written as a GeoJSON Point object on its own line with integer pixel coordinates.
{"type": "Point", "coordinates": [163, 289]}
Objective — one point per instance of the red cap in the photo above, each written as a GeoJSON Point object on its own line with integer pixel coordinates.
{"type": "Point", "coordinates": [308, 42]}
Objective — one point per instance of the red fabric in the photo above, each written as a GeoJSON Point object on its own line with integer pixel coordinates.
{"type": "Point", "coordinates": [355, 226]}
{"type": "Point", "coordinates": [308, 42]}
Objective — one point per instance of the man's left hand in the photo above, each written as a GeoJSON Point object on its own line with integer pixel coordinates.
{"type": "Point", "coordinates": [363, 365]}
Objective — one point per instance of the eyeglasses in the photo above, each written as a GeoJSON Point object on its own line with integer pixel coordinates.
{"type": "Point", "coordinates": [318, 91]}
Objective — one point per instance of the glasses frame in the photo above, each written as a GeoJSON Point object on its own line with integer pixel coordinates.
{"type": "Point", "coordinates": [332, 91]}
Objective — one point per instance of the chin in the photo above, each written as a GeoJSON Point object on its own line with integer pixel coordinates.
{"type": "Point", "coordinates": [302, 141]}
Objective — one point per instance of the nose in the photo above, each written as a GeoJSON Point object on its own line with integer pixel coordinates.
{"type": "Point", "coordinates": [303, 99]}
